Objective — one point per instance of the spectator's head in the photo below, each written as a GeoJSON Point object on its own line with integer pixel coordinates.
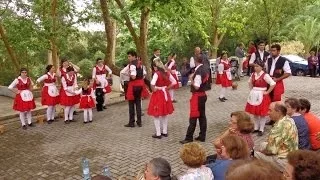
{"type": "Point", "coordinates": [185, 60]}
{"type": "Point", "coordinates": [252, 170]}
{"type": "Point", "coordinates": [292, 105]}
{"type": "Point", "coordinates": [101, 177]}
{"type": "Point", "coordinates": [158, 65]}
{"type": "Point", "coordinates": [242, 122]}
{"type": "Point", "coordinates": [261, 45]}
{"type": "Point", "coordinates": [132, 55]}
{"type": "Point", "coordinates": [305, 106]}
{"type": "Point", "coordinates": [258, 66]}
{"type": "Point", "coordinates": [312, 53]}
{"type": "Point", "coordinates": [197, 50]}
{"type": "Point", "coordinates": [251, 44]}
{"type": "Point", "coordinates": [224, 55]}
{"type": "Point", "coordinates": [64, 62]}
{"type": "Point", "coordinates": [193, 155]}
{"type": "Point", "coordinates": [50, 68]}
{"type": "Point", "coordinates": [234, 147]}
{"type": "Point", "coordinates": [156, 51]}
{"type": "Point", "coordinates": [23, 72]}
{"type": "Point", "coordinates": [275, 50]}
{"type": "Point", "coordinates": [241, 45]}
{"type": "Point", "coordinates": [70, 70]}
{"type": "Point", "coordinates": [99, 61]}
{"type": "Point", "coordinates": [277, 111]}
{"type": "Point", "coordinates": [302, 165]}
{"type": "Point", "coordinates": [158, 169]}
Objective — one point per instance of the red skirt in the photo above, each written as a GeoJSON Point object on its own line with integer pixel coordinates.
{"type": "Point", "coordinates": [131, 84]}
{"type": "Point", "coordinates": [158, 106]}
{"type": "Point", "coordinates": [277, 91]}
{"type": "Point", "coordinates": [86, 102]}
{"type": "Point", "coordinates": [176, 86]}
{"type": "Point", "coordinates": [194, 104]}
{"type": "Point", "coordinates": [223, 80]}
{"type": "Point", "coordinates": [260, 110]}
{"type": "Point", "coordinates": [68, 100]}
{"type": "Point", "coordinates": [48, 100]}
{"type": "Point", "coordinates": [23, 106]}
{"type": "Point", "coordinates": [107, 89]}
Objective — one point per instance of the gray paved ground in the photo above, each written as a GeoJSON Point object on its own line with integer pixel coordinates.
{"type": "Point", "coordinates": [54, 151]}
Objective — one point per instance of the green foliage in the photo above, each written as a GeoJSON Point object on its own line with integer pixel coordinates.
{"type": "Point", "coordinates": [86, 66]}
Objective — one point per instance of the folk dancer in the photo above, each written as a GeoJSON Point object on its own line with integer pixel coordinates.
{"type": "Point", "coordinates": [224, 77]}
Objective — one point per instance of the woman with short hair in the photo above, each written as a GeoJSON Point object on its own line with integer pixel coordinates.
{"type": "Point", "coordinates": [158, 168]}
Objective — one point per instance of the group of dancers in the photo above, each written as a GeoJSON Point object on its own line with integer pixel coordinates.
{"type": "Point", "coordinates": [266, 86]}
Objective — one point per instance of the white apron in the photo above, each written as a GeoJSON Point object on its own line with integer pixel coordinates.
{"type": "Point", "coordinates": [26, 95]}
{"type": "Point", "coordinates": [70, 89]}
{"type": "Point", "coordinates": [256, 96]}
{"type": "Point", "coordinates": [52, 90]}
{"type": "Point", "coordinates": [228, 73]}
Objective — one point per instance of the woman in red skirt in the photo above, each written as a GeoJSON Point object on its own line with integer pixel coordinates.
{"type": "Point", "coordinates": [224, 77]}
{"type": "Point", "coordinates": [261, 84]}
{"type": "Point", "coordinates": [87, 100]}
{"type": "Point", "coordinates": [23, 101]}
{"type": "Point", "coordinates": [50, 94]}
{"type": "Point", "coordinates": [160, 105]}
{"type": "Point", "coordinates": [172, 67]}
{"type": "Point", "coordinates": [68, 96]}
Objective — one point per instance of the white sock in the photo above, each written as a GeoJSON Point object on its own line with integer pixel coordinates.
{"type": "Point", "coordinates": [53, 112]}
{"type": "Point", "coordinates": [85, 115]}
{"type": "Point", "coordinates": [49, 112]}
{"type": "Point", "coordinates": [72, 108]}
{"type": "Point", "coordinates": [263, 121]}
{"type": "Point", "coordinates": [171, 92]}
{"type": "Point", "coordinates": [90, 114]}
{"type": "Point", "coordinates": [223, 92]}
{"type": "Point", "coordinates": [29, 117]}
{"type": "Point", "coordinates": [66, 112]}
{"type": "Point", "coordinates": [105, 99]}
{"type": "Point", "coordinates": [22, 118]}
{"type": "Point", "coordinates": [164, 121]}
{"type": "Point", "coordinates": [157, 125]}
{"type": "Point", "coordinates": [256, 122]}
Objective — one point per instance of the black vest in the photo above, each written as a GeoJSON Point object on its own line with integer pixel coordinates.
{"type": "Point", "coordinates": [139, 69]}
{"type": "Point", "coordinates": [278, 70]}
{"type": "Point", "coordinates": [205, 76]}
{"type": "Point", "coordinates": [258, 58]}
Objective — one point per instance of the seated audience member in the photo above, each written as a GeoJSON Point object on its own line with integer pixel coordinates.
{"type": "Point", "coordinates": [293, 108]}
{"type": "Point", "coordinates": [240, 125]}
{"type": "Point", "coordinates": [253, 170]}
{"type": "Point", "coordinates": [233, 148]}
{"type": "Point", "coordinates": [313, 122]}
{"type": "Point", "coordinates": [283, 137]}
{"type": "Point", "coordinates": [157, 168]}
{"type": "Point", "coordinates": [194, 155]}
{"type": "Point", "coordinates": [303, 165]}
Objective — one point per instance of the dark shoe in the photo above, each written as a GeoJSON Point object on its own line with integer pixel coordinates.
{"type": "Point", "coordinates": [142, 114]}
{"type": "Point", "coordinates": [224, 98]}
{"type": "Point", "coordinates": [270, 123]}
{"type": "Point", "coordinates": [129, 125]}
{"type": "Point", "coordinates": [255, 131]}
{"type": "Point", "coordinates": [157, 137]}
{"type": "Point", "coordinates": [185, 141]}
{"type": "Point", "coordinates": [139, 124]}
{"type": "Point", "coordinates": [260, 133]}
{"type": "Point", "coordinates": [72, 120]}
{"type": "Point", "coordinates": [90, 121]}
{"type": "Point", "coordinates": [199, 139]}
{"type": "Point", "coordinates": [104, 107]}
{"type": "Point", "coordinates": [49, 122]}
{"type": "Point", "coordinates": [85, 122]}
{"type": "Point", "coordinates": [221, 99]}
{"type": "Point", "coordinates": [174, 101]}
{"type": "Point", "coordinates": [24, 127]}
{"type": "Point", "coordinates": [31, 125]}
{"type": "Point", "coordinates": [67, 122]}
{"type": "Point", "coordinates": [75, 113]}
{"type": "Point", "coordinates": [164, 135]}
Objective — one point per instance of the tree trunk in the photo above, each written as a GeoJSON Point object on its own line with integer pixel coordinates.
{"type": "Point", "coordinates": [143, 45]}
{"type": "Point", "coordinates": [216, 36]}
{"type": "Point", "coordinates": [53, 44]}
{"type": "Point", "coordinates": [50, 57]}
{"type": "Point", "coordinates": [110, 29]}
{"type": "Point", "coordinates": [9, 48]}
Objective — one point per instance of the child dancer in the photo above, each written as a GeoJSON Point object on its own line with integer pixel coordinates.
{"type": "Point", "coordinates": [259, 100]}
{"type": "Point", "coordinates": [160, 105]}
{"type": "Point", "coordinates": [224, 75]}
{"type": "Point", "coordinates": [87, 100]}
{"type": "Point", "coordinates": [50, 94]}
{"type": "Point", "coordinates": [69, 98]}
{"type": "Point", "coordinates": [172, 67]}
{"type": "Point", "coordinates": [23, 101]}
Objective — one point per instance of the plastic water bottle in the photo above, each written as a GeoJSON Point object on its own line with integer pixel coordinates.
{"type": "Point", "coordinates": [106, 172]}
{"type": "Point", "coordinates": [85, 169]}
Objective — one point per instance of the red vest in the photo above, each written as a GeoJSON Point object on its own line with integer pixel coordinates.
{"type": "Point", "coordinates": [70, 82]}
{"type": "Point", "coordinates": [50, 79]}
{"type": "Point", "coordinates": [23, 86]}
{"type": "Point", "coordinates": [102, 71]}
{"type": "Point", "coordinates": [260, 82]}
{"type": "Point", "coordinates": [63, 73]}
{"type": "Point", "coordinates": [163, 80]}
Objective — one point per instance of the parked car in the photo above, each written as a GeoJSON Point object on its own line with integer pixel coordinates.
{"type": "Point", "coordinates": [298, 65]}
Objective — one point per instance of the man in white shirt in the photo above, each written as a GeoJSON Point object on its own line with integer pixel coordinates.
{"type": "Point", "coordinates": [279, 69]}
{"type": "Point", "coordinates": [259, 55]}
